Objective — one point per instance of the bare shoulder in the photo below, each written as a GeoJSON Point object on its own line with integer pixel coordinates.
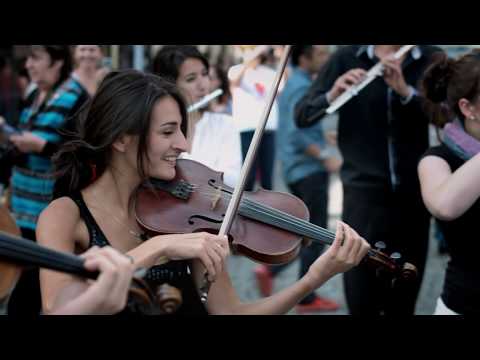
{"type": "Point", "coordinates": [61, 210]}
{"type": "Point", "coordinates": [433, 163]}
{"type": "Point", "coordinates": [433, 171]}
{"type": "Point", "coordinates": [60, 225]}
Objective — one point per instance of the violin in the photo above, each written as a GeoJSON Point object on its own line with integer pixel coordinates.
{"type": "Point", "coordinates": [9, 274]}
{"type": "Point", "coordinates": [269, 227]}
{"type": "Point", "coordinates": [17, 253]}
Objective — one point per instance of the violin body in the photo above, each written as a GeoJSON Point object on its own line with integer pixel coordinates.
{"type": "Point", "coordinates": [9, 274]}
{"type": "Point", "coordinates": [165, 210]}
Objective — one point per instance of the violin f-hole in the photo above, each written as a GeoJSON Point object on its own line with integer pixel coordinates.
{"type": "Point", "coordinates": [191, 219]}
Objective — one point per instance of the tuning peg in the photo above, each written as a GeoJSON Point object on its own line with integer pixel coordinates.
{"type": "Point", "coordinates": [380, 245]}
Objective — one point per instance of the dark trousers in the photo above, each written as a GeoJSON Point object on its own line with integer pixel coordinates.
{"type": "Point", "coordinates": [313, 190]}
{"type": "Point", "coordinates": [401, 221]}
{"type": "Point", "coordinates": [25, 299]}
{"type": "Point", "coordinates": [264, 161]}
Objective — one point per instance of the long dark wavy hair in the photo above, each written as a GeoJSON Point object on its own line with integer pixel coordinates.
{"type": "Point", "coordinates": [122, 105]}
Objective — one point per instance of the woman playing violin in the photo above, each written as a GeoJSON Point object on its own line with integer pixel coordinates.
{"type": "Point", "coordinates": [134, 128]}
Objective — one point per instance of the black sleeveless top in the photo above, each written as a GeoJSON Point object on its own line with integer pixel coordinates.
{"type": "Point", "coordinates": [461, 289]}
{"type": "Point", "coordinates": [174, 273]}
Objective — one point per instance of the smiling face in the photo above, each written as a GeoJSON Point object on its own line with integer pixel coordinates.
{"type": "Point", "coordinates": [193, 79]}
{"type": "Point", "coordinates": [88, 55]}
{"type": "Point", "coordinates": [165, 139]}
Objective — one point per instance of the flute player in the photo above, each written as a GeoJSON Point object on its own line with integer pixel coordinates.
{"type": "Point", "coordinates": [382, 133]}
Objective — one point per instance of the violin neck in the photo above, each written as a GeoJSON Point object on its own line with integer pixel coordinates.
{"type": "Point", "coordinates": [284, 221]}
{"type": "Point", "coordinates": [24, 252]}
{"type": "Point", "coordinates": [287, 222]}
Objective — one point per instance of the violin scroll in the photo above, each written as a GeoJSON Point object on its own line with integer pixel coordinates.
{"type": "Point", "coordinates": [169, 298]}
{"type": "Point", "coordinates": [409, 272]}
{"type": "Point", "coordinates": [392, 264]}
{"type": "Point", "coordinates": [163, 300]}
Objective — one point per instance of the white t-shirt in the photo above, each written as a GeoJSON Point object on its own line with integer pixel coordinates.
{"type": "Point", "coordinates": [216, 144]}
{"type": "Point", "coordinates": [249, 99]}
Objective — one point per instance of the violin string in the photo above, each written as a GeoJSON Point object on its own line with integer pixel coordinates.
{"type": "Point", "coordinates": [313, 231]}
{"type": "Point", "coordinates": [300, 224]}
{"type": "Point", "coordinates": [291, 218]}
{"type": "Point", "coordinates": [297, 226]}
{"type": "Point", "coordinates": [279, 218]}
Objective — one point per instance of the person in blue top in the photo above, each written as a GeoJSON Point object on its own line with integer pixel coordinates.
{"type": "Point", "coordinates": [305, 161]}
{"type": "Point", "coordinates": [42, 123]}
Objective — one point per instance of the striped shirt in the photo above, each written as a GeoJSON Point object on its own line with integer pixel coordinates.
{"type": "Point", "coordinates": [32, 178]}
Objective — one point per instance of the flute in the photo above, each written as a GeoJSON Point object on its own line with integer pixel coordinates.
{"type": "Point", "coordinates": [376, 70]}
{"type": "Point", "coordinates": [205, 100]}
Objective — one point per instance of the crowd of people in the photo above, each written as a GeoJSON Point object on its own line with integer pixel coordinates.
{"type": "Point", "coordinates": [87, 137]}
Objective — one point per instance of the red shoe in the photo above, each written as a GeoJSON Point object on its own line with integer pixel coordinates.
{"type": "Point", "coordinates": [264, 280]}
{"type": "Point", "coordinates": [318, 305]}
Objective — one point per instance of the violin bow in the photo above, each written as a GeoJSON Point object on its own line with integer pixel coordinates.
{"type": "Point", "coordinates": [247, 165]}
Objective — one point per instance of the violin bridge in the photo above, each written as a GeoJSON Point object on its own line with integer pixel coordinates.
{"type": "Point", "coordinates": [216, 197]}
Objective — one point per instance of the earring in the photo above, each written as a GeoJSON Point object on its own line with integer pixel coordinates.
{"type": "Point", "coordinates": [473, 118]}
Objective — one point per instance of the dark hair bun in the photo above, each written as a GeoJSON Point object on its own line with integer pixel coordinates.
{"type": "Point", "coordinates": [437, 77]}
